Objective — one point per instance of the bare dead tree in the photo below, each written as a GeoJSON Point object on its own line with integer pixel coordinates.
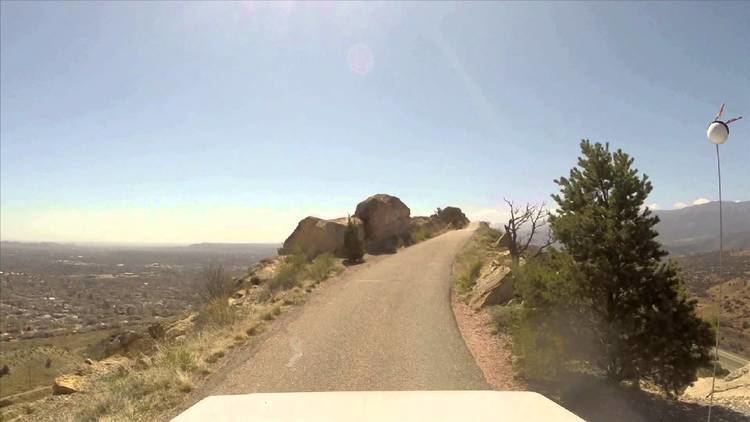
{"type": "Point", "coordinates": [532, 216]}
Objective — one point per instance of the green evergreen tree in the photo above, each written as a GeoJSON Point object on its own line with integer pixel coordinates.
{"type": "Point", "coordinates": [644, 323]}
{"type": "Point", "coordinates": [354, 248]}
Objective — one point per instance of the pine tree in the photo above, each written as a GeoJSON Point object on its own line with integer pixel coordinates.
{"type": "Point", "coordinates": [354, 248]}
{"type": "Point", "coordinates": [644, 323]}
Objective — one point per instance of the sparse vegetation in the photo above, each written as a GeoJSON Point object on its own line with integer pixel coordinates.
{"type": "Point", "coordinates": [154, 384]}
{"type": "Point", "coordinates": [217, 284]}
{"type": "Point", "coordinates": [472, 257]}
{"type": "Point", "coordinates": [421, 234]}
{"type": "Point", "coordinates": [217, 312]}
{"type": "Point", "coordinates": [289, 273]}
{"type": "Point", "coordinates": [321, 267]}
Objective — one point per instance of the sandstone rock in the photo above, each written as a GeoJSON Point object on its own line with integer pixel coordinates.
{"type": "Point", "coordinates": [494, 287]}
{"type": "Point", "coordinates": [68, 384]}
{"type": "Point", "coordinates": [119, 364]}
{"type": "Point", "coordinates": [315, 236]}
{"type": "Point", "coordinates": [386, 222]}
{"type": "Point", "coordinates": [180, 327]}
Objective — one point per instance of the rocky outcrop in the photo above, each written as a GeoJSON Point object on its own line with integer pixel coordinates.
{"type": "Point", "coordinates": [383, 221]}
{"type": "Point", "coordinates": [181, 326]}
{"type": "Point", "coordinates": [315, 236]}
{"type": "Point", "coordinates": [68, 384]}
{"type": "Point", "coordinates": [386, 222]}
{"type": "Point", "coordinates": [494, 287]}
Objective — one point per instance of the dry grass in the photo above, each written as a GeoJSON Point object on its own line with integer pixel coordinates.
{"type": "Point", "coordinates": [153, 385]}
{"type": "Point", "coordinates": [217, 312]}
{"type": "Point", "coordinates": [472, 257]}
{"type": "Point", "coordinates": [321, 267]}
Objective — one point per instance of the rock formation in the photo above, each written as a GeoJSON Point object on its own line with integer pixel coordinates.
{"type": "Point", "coordinates": [315, 236]}
{"type": "Point", "coordinates": [386, 222]}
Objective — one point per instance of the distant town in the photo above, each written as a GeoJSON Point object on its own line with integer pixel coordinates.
{"type": "Point", "coordinates": [51, 289]}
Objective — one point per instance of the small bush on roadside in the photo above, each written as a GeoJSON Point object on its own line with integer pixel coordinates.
{"type": "Point", "coordinates": [216, 283]}
{"type": "Point", "coordinates": [470, 266]}
{"type": "Point", "coordinates": [217, 312]}
{"type": "Point", "coordinates": [321, 267]}
{"type": "Point", "coordinates": [289, 273]}
{"type": "Point", "coordinates": [421, 234]}
{"type": "Point", "coordinates": [180, 358]}
{"type": "Point", "coordinates": [506, 317]}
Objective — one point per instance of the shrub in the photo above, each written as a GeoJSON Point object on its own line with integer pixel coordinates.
{"type": "Point", "coordinates": [506, 317]}
{"type": "Point", "coordinates": [539, 351]}
{"type": "Point", "coordinates": [217, 312]}
{"type": "Point", "coordinates": [354, 248]}
{"type": "Point", "coordinates": [553, 323]}
{"type": "Point", "coordinates": [470, 265]}
{"type": "Point", "coordinates": [321, 266]}
{"type": "Point", "coordinates": [421, 234]}
{"type": "Point", "coordinates": [181, 358]}
{"type": "Point", "coordinates": [216, 283]}
{"type": "Point", "coordinates": [708, 371]}
{"type": "Point", "coordinates": [288, 274]}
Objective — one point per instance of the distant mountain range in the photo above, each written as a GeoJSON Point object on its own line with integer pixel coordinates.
{"type": "Point", "coordinates": [695, 229]}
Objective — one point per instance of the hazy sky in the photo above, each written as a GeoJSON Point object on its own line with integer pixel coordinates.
{"type": "Point", "coordinates": [183, 122]}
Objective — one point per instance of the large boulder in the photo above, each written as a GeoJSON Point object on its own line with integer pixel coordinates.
{"type": "Point", "coordinates": [386, 222]}
{"type": "Point", "coordinates": [315, 236]}
{"type": "Point", "coordinates": [494, 287]}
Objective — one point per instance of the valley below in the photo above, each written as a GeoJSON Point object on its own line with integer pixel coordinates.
{"type": "Point", "coordinates": [60, 303]}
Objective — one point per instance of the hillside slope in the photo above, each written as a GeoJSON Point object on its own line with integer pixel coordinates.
{"type": "Point", "coordinates": [695, 229]}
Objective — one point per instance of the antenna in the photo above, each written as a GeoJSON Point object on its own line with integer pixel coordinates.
{"type": "Point", "coordinates": [718, 133]}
